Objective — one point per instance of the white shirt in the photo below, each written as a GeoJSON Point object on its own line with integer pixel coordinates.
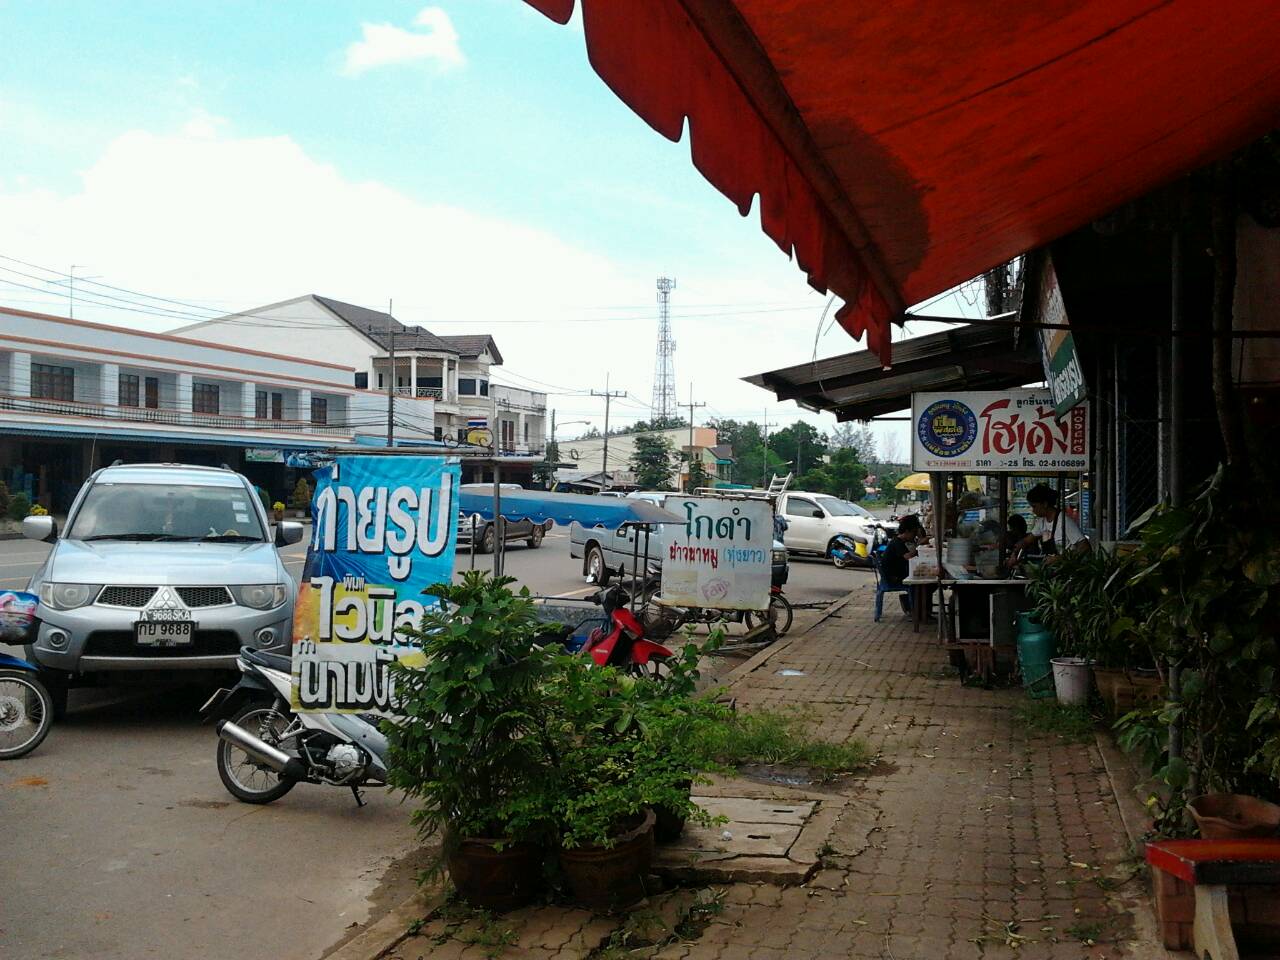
{"type": "Point", "coordinates": [1067, 529]}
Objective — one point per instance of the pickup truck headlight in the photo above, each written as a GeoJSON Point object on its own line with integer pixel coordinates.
{"type": "Point", "coordinates": [68, 596]}
{"type": "Point", "coordinates": [261, 596]}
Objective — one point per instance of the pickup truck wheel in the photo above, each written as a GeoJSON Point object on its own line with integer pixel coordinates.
{"type": "Point", "coordinates": [535, 538]}
{"type": "Point", "coordinates": [597, 572]}
{"type": "Point", "coordinates": [486, 542]}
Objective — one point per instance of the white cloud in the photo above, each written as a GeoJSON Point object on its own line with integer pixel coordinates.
{"type": "Point", "coordinates": [206, 216]}
{"type": "Point", "coordinates": [382, 44]}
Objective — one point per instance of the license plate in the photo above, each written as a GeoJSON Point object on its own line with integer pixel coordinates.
{"type": "Point", "coordinates": [164, 633]}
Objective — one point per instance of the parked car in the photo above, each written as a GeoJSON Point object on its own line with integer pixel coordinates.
{"type": "Point", "coordinates": [480, 534]}
{"type": "Point", "coordinates": [160, 567]}
{"type": "Point", "coordinates": [814, 520]}
{"type": "Point", "coordinates": [603, 552]}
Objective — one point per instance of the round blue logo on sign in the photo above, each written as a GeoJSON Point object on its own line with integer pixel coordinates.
{"type": "Point", "coordinates": [947, 428]}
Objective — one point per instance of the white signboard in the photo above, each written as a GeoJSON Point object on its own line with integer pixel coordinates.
{"type": "Point", "coordinates": [722, 557]}
{"type": "Point", "coordinates": [1009, 431]}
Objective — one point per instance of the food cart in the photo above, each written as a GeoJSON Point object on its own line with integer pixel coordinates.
{"type": "Point", "coordinates": [1003, 436]}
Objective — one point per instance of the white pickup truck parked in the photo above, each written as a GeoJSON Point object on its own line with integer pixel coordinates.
{"type": "Point", "coordinates": [814, 520]}
{"type": "Point", "coordinates": [604, 552]}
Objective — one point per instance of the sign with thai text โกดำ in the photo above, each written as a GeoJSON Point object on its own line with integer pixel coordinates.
{"type": "Point", "coordinates": [722, 557]}
{"type": "Point", "coordinates": [385, 528]}
{"type": "Point", "coordinates": [1009, 431]}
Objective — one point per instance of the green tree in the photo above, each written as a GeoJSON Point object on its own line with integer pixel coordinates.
{"type": "Point", "coordinates": [698, 476]}
{"type": "Point", "coordinates": [801, 444]}
{"type": "Point", "coordinates": [545, 472]}
{"type": "Point", "coordinates": [651, 462]}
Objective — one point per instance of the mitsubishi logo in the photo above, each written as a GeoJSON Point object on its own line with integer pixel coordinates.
{"type": "Point", "coordinates": [166, 605]}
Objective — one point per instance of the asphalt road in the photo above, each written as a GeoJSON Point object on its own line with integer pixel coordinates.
{"type": "Point", "coordinates": [120, 840]}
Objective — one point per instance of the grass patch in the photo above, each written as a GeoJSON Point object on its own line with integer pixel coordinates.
{"type": "Point", "coordinates": [1073, 724]}
{"type": "Point", "coordinates": [775, 737]}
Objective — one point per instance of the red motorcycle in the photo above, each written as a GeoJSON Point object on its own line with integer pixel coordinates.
{"type": "Point", "coordinates": [621, 642]}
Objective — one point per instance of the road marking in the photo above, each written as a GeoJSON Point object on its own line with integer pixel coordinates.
{"type": "Point", "coordinates": [574, 593]}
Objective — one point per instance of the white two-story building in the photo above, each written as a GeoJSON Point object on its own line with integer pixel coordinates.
{"type": "Point", "coordinates": [452, 372]}
{"type": "Point", "coordinates": [75, 396]}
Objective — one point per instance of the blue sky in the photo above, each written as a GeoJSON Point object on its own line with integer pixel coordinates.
{"type": "Point", "coordinates": [460, 157]}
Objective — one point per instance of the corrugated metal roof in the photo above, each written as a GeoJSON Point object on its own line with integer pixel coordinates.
{"type": "Point", "coordinates": [856, 386]}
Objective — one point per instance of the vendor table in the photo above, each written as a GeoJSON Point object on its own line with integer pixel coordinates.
{"type": "Point", "coordinates": [985, 610]}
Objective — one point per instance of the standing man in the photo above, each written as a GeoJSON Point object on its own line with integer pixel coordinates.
{"type": "Point", "coordinates": [1053, 528]}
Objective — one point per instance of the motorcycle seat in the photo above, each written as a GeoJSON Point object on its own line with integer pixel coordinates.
{"type": "Point", "coordinates": [272, 661]}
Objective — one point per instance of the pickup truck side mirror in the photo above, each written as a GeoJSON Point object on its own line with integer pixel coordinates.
{"type": "Point", "coordinates": [817, 513]}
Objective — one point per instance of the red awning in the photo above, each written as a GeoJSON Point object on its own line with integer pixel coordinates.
{"type": "Point", "coordinates": [901, 148]}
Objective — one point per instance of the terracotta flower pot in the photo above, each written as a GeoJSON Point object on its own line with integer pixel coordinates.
{"type": "Point", "coordinates": [496, 879]}
{"type": "Point", "coordinates": [604, 879]}
{"type": "Point", "coordinates": [1108, 681]}
{"type": "Point", "coordinates": [1234, 816]}
{"type": "Point", "coordinates": [668, 824]}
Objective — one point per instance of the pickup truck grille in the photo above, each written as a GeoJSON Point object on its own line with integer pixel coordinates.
{"type": "Point", "coordinates": [204, 596]}
{"type": "Point", "coordinates": [120, 643]}
{"type": "Point", "coordinates": [120, 596]}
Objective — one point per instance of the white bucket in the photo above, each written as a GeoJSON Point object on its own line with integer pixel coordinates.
{"type": "Point", "coordinates": [1071, 680]}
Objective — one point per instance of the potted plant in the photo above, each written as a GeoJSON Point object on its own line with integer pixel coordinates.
{"type": "Point", "coordinates": [621, 750]}
{"type": "Point", "coordinates": [469, 745]}
{"type": "Point", "coordinates": [300, 499]}
{"type": "Point", "coordinates": [277, 510]}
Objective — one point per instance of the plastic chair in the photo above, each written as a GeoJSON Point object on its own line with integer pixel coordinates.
{"type": "Point", "coordinates": [877, 561]}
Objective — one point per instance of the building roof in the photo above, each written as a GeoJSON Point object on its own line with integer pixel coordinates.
{"type": "Point", "coordinates": [722, 452]}
{"type": "Point", "coordinates": [857, 386]}
{"type": "Point", "coordinates": [474, 344]}
{"type": "Point", "coordinates": [375, 324]}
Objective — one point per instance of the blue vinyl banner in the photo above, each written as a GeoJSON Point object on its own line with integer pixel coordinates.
{"type": "Point", "coordinates": [385, 528]}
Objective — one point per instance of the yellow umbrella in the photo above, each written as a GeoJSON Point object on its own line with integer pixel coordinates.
{"type": "Point", "coordinates": [920, 482]}
{"type": "Point", "coordinates": [916, 481]}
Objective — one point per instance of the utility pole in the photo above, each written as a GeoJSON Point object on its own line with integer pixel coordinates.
{"type": "Point", "coordinates": [608, 397]}
{"type": "Point", "coordinates": [692, 406]}
{"type": "Point", "coordinates": [391, 379]}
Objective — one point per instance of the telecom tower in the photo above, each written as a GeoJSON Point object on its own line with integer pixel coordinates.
{"type": "Point", "coordinates": [663, 403]}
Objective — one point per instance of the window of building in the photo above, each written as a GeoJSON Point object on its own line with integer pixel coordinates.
{"type": "Point", "coordinates": [277, 406]}
{"type": "Point", "coordinates": [467, 387]}
{"type": "Point", "coordinates": [53, 383]}
{"type": "Point", "coordinates": [381, 382]}
{"type": "Point", "coordinates": [508, 434]}
{"type": "Point", "coordinates": [362, 381]}
{"type": "Point", "coordinates": [526, 433]}
{"type": "Point", "coordinates": [437, 382]}
{"type": "Point", "coordinates": [260, 404]}
{"type": "Point", "coordinates": [205, 398]}
{"type": "Point", "coordinates": [152, 389]}
{"type": "Point", "coordinates": [462, 434]}
{"type": "Point", "coordinates": [484, 387]}
{"type": "Point", "coordinates": [130, 391]}
{"type": "Point", "coordinates": [439, 433]}
{"type": "Point", "coordinates": [319, 410]}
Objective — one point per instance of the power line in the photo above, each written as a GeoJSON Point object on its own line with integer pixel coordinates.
{"type": "Point", "coordinates": [608, 397]}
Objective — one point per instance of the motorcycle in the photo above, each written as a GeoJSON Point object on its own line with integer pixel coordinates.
{"type": "Point", "coordinates": [265, 749]}
{"type": "Point", "coordinates": [26, 709]}
{"type": "Point", "coordinates": [622, 642]}
{"type": "Point", "coordinates": [848, 551]}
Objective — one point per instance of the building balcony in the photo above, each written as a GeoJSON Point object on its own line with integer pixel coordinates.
{"type": "Point", "coordinates": [163, 416]}
{"type": "Point", "coordinates": [421, 393]}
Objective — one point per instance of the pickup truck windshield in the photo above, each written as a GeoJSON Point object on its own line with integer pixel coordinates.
{"type": "Point", "coordinates": [153, 511]}
{"type": "Point", "coordinates": [842, 508]}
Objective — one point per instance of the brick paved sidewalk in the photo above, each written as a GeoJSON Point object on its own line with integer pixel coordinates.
{"type": "Point", "coordinates": [973, 836]}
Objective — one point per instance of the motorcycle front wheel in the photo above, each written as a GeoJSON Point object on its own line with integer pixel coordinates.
{"type": "Point", "coordinates": [246, 779]}
{"type": "Point", "coordinates": [26, 713]}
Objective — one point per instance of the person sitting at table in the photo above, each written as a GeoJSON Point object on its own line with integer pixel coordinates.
{"type": "Point", "coordinates": [1052, 528]}
{"type": "Point", "coordinates": [901, 548]}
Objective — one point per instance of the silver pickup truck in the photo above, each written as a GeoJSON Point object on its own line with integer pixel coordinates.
{"type": "Point", "coordinates": [603, 552]}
